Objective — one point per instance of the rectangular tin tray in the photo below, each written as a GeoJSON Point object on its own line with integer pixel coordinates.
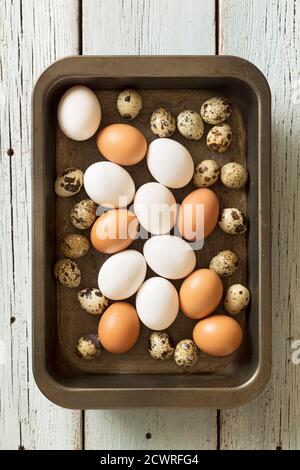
{"type": "Point", "coordinates": [134, 379]}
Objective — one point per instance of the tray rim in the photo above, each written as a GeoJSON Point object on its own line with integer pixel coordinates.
{"type": "Point", "coordinates": [157, 66]}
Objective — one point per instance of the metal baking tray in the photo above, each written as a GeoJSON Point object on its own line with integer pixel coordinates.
{"type": "Point", "coordinates": [135, 379]}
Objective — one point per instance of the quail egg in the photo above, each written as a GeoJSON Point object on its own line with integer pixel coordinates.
{"type": "Point", "coordinates": [219, 138]}
{"type": "Point", "coordinates": [67, 272]}
{"type": "Point", "coordinates": [69, 182]}
{"type": "Point", "coordinates": [91, 300]}
{"type": "Point", "coordinates": [233, 221]}
{"type": "Point", "coordinates": [74, 245]}
{"type": "Point", "coordinates": [234, 175]}
{"type": "Point", "coordinates": [83, 214]}
{"type": "Point", "coordinates": [160, 345]}
{"type": "Point", "coordinates": [206, 174]}
{"type": "Point", "coordinates": [225, 263]}
{"type": "Point", "coordinates": [186, 353]}
{"type": "Point", "coordinates": [237, 299]}
{"type": "Point", "coordinates": [129, 104]}
{"type": "Point", "coordinates": [162, 123]}
{"type": "Point", "coordinates": [88, 347]}
{"type": "Point", "coordinates": [190, 124]}
{"type": "Point", "coordinates": [216, 110]}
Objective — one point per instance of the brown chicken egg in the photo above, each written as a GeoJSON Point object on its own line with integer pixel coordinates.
{"type": "Point", "coordinates": [119, 328]}
{"type": "Point", "coordinates": [218, 335]}
{"type": "Point", "coordinates": [200, 293]}
{"type": "Point", "coordinates": [193, 222]}
{"type": "Point", "coordinates": [122, 144]}
{"type": "Point", "coordinates": [114, 231]}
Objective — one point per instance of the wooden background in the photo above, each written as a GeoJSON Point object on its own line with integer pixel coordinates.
{"type": "Point", "coordinates": [32, 35]}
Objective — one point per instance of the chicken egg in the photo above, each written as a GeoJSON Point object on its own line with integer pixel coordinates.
{"type": "Point", "coordinates": [198, 214]}
{"type": "Point", "coordinates": [122, 274]}
{"type": "Point", "coordinates": [170, 163]}
{"type": "Point", "coordinates": [218, 335]}
{"type": "Point", "coordinates": [200, 293]}
{"type": "Point", "coordinates": [156, 208]}
{"type": "Point", "coordinates": [79, 113]}
{"type": "Point", "coordinates": [109, 185]}
{"type": "Point", "coordinates": [169, 256]}
{"type": "Point", "coordinates": [114, 231]}
{"type": "Point", "coordinates": [157, 303]}
{"type": "Point", "coordinates": [122, 144]}
{"type": "Point", "coordinates": [119, 328]}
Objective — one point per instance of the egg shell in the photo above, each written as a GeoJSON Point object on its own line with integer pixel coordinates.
{"type": "Point", "coordinates": [169, 256]}
{"type": "Point", "coordinates": [122, 144]}
{"type": "Point", "coordinates": [109, 185]}
{"type": "Point", "coordinates": [69, 182]}
{"type": "Point", "coordinates": [170, 163]}
{"type": "Point", "coordinates": [79, 113]}
{"type": "Point", "coordinates": [119, 328]}
{"type": "Point", "coordinates": [83, 214]}
{"type": "Point", "coordinates": [193, 222]}
{"type": "Point", "coordinates": [218, 335]}
{"type": "Point", "coordinates": [114, 231]}
{"type": "Point", "coordinates": [122, 274]}
{"type": "Point", "coordinates": [157, 303]}
{"type": "Point", "coordinates": [88, 347]}
{"type": "Point", "coordinates": [216, 110]}
{"type": "Point", "coordinates": [200, 293]}
{"type": "Point", "coordinates": [162, 123]}
{"type": "Point", "coordinates": [129, 104]}
{"type": "Point", "coordinates": [156, 208]}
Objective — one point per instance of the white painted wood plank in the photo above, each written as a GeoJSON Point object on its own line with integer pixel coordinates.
{"type": "Point", "coordinates": [150, 429]}
{"type": "Point", "coordinates": [149, 27]}
{"type": "Point", "coordinates": [32, 34]}
{"type": "Point", "coordinates": [267, 33]}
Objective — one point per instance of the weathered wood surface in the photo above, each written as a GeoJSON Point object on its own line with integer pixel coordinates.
{"type": "Point", "coordinates": [149, 27]}
{"type": "Point", "coordinates": [32, 35]}
{"type": "Point", "coordinates": [267, 33]}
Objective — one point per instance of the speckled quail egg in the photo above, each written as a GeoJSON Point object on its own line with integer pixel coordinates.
{"type": "Point", "coordinates": [92, 300]}
{"type": "Point", "coordinates": [74, 245]}
{"type": "Point", "coordinates": [160, 345]}
{"type": "Point", "coordinates": [186, 353]}
{"type": "Point", "coordinates": [219, 138]}
{"type": "Point", "coordinates": [67, 272]}
{"type": "Point", "coordinates": [83, 214]}
{"type": "Point", "coordinates": [225, 263]}
{"type": "Point", "coordinates": [88, 347]}
{"type": "Point", "coordinates": [216, 110]}
{"type": "Point", "coordinates": [190, 124]}
{"type": "Point", "coordinates": [162, 123]}
{"type": "Point", "coordinates": [232, 221]}
{"type": "Point", "coordinates": [69, 182]}
{"type": "Point", "coordinates": [237, 299]}
{"type": "Point", "coordinates": [206, 173]}
{"type": "Point", "coordinates": [234, 175]}
{"type": "Point", "coordinates": [129, 104]}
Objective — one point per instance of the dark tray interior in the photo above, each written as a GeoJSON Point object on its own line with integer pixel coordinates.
{"type": "Point", "coordinates": [64, 321]}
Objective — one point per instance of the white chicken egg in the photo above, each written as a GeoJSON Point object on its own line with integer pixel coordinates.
{"type": "Point", "coordinates": [169, 256]}
{"type": "Point", "coordinates": [157, 303]}
{"type": "Point", "coordinates": [109, 185]}
{"type": "Point", "coordinates": [79, 113]}
{"type": "Point", "coordinates": [170, 163]}
{"type": "Point", "coordinates": [122, 274]}
{"type": "Point", "coordinates": [155, 208]}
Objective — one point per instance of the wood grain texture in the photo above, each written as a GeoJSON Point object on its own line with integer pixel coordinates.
{"type": "Point", "coordinates": [149, 27]}
{"type": "Point", "coordinates": [150, 429]}
{"type": "Point", "coordinates": [267, 33]}
{"type": "Point", "coordinates": [32, 34]}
